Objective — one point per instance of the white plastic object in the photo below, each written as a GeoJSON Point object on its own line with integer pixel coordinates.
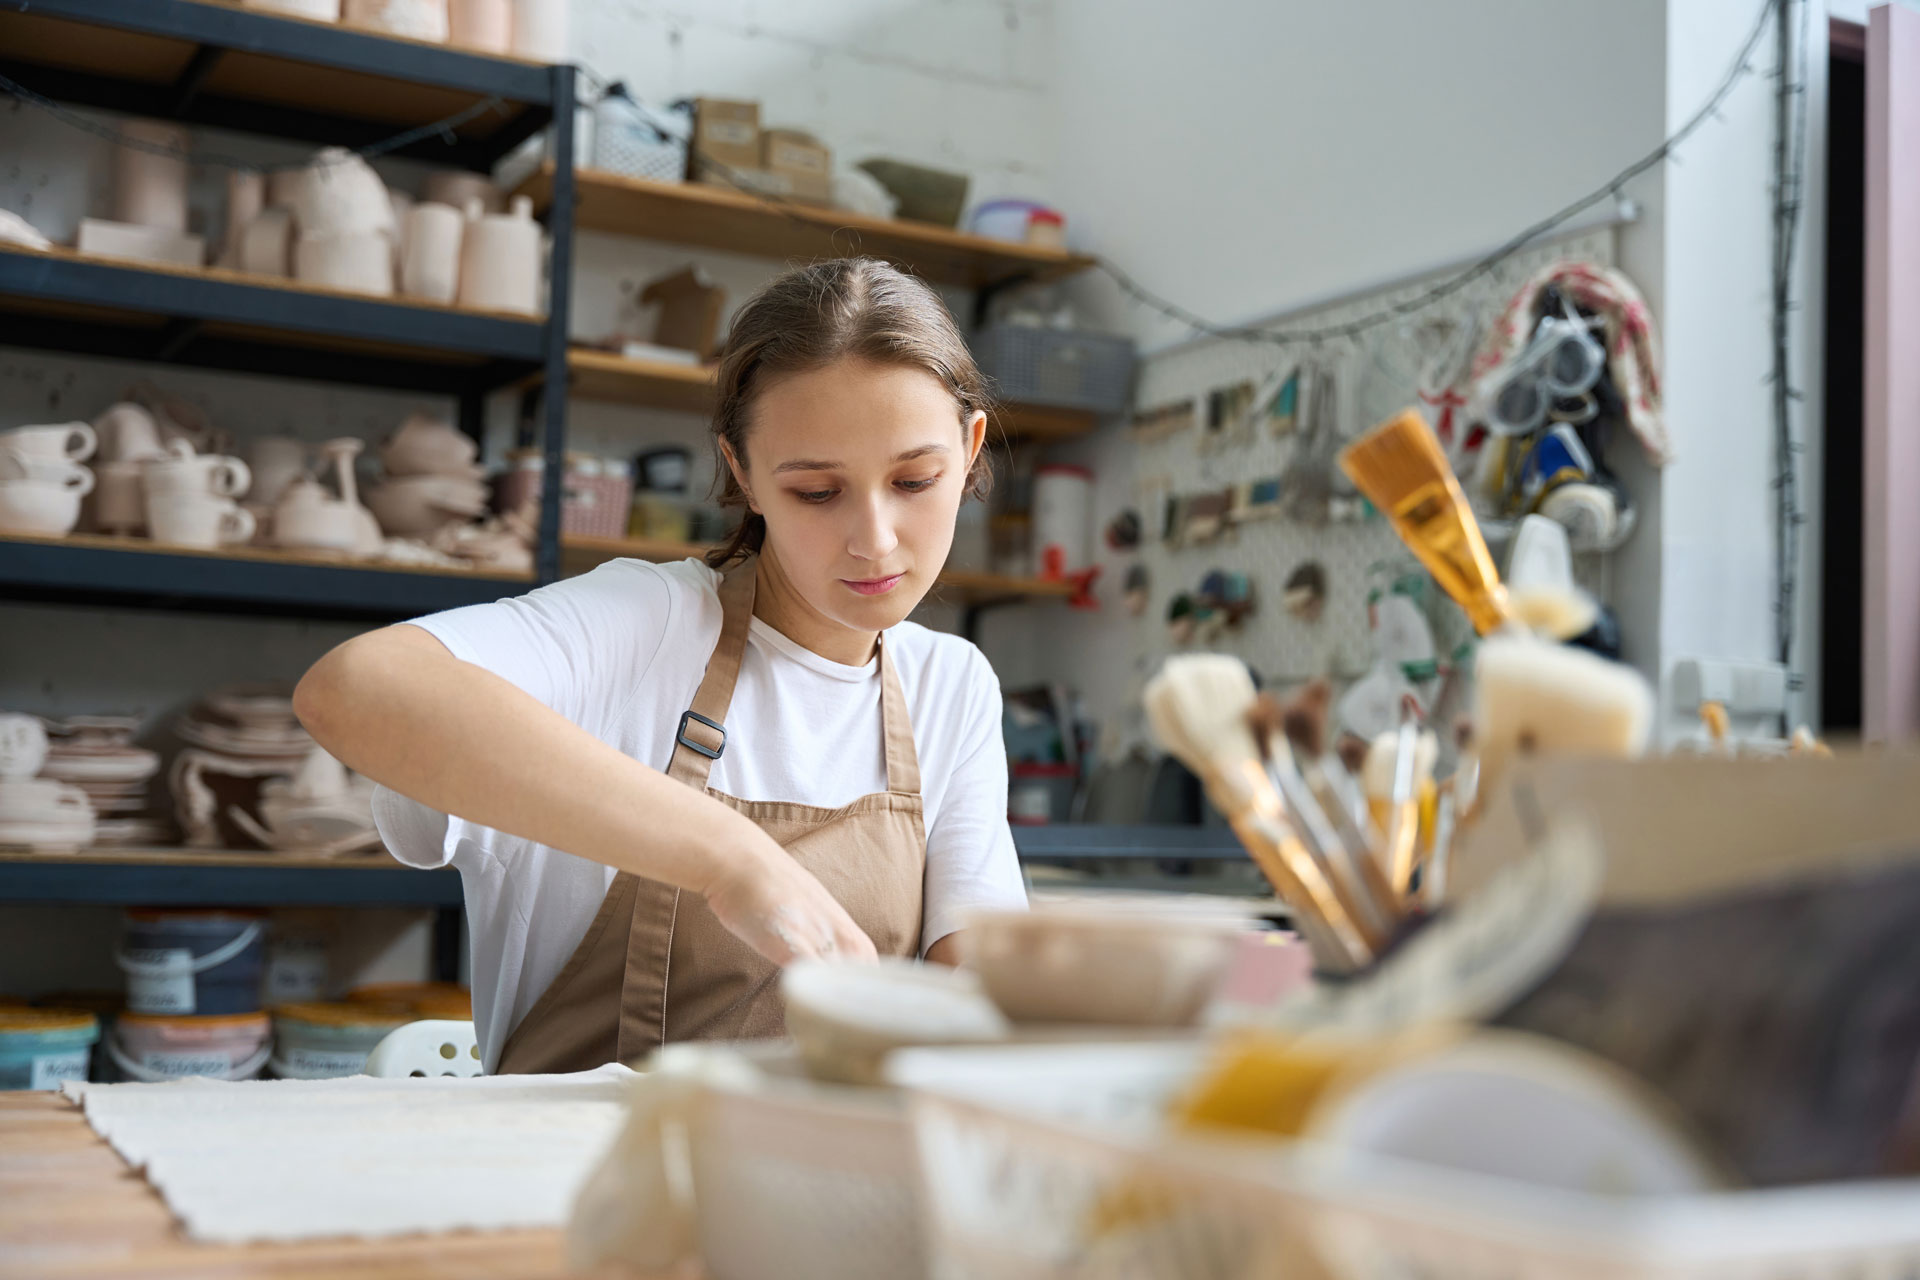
{"type": "Point", "coordinates": [429, 1047]}
{"type": "Point", "coordinates": [1541, 556]}
{"type": "Point", "coordinates": [1062, 520]}
{"type": "Point", "coordinates": [1054, 1162]}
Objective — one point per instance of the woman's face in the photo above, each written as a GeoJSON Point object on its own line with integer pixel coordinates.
{"type": "Point", "coordinates": [858, 468]}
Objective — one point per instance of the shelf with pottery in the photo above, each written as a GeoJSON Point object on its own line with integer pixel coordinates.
{"type": "Point", "coordinates": [181, 876]}
{"type": "Point", "coordinates": [579, 554]}
{"type": "Point", "coordinates": [662, 384]}
{"type": "Point", "coordinates": [244, 68]}
{"type": "Point", "coordinates": [717, 218]}
{"type": "Point", "coordinates": [62, 300]}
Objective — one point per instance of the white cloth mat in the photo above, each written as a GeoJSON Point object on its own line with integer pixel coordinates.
{"type": "Point", "coordinates": [362, 1157]}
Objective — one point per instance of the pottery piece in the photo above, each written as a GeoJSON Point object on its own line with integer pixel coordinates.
{"type": "Point", "coordinates": [197, 520]}
{"type": "Point", "coordinates": [317, 10]}
{"type": "Point", "coordinates": [456, 187]}
{"type": "Point", "coordinates": [15, 229]}
{"type": "Point", "coordinates": [266, 246]}
{"type": "Point", "coordinates": [283, 187]}
{"type": "Point", "coordinates": [38, 508]}
{"type": "Point", "coordinates": [276, 462]}
{"type": "Point", "coordinates": [358, 261]}
{"type": "Point", "coordinates": [485, 26]}
{"type": "Point", "coordinates": [540, 29]}
{"type": "Point", "coordinates": [307, 517]}
{"type": "Point", "coordinates": [127, 432]}
{"type": "Point", "coordinates": [420, 506]}
{"type": "Point", "coordinates": [500, 259]}
{"type": "Point", "coordinates": [184, 471]}
{"type": "Point", "coordinates": [67, 441]}
{"type": "Point", "coordinates": [415, 19]}
{"type": "Point", "coordinates": [101, 238]}
{"type": "Point", "coordinates": [20, 467]}
{"type": "Point", "coordinates": [339, 194]}
{"type": "Point", "coordinates": [246, 198]}
{"type": "Point", "coordinates": [430, 262]}
{"type": "Point", "coordinates": [23, 745]}
{"type": "Point", "coordinates": [426, 445]}
{"type": "Point", "coordinates": [119, 499]}
{"type": "Point", "coordinates": [150, 188]}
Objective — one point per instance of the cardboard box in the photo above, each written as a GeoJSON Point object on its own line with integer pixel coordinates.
{"type": "Point", "coordinates": [727, 132]}
{"type": "Point", "coordinates": [803, 160]}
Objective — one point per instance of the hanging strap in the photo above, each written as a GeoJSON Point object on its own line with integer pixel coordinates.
{"type": "Point", "coordinates": [701, 737]}
{"type": "Point", "coordinates": [903, 761]}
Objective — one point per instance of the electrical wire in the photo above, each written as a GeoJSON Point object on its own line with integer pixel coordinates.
{"type": "Point", "coordinates": [1790, 141]}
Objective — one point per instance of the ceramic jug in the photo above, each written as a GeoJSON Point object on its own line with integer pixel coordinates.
{"type": "Point", "coordinates": [500, 259]}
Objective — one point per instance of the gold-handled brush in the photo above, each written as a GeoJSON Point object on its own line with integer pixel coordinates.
{"type": "Point", "coordinates": [1402, 469]}
{"type": "Point", "coordinates": [1198, 705]}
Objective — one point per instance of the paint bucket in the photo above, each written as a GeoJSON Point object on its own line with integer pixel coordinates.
{"type": "Point", "coordinates": [105, 1006]}
{"type": "Point", "coordinates": [193, 962]}
{"type": "Point", "coordinates": [415, 994]}
{"type": "Point", "coordinates": [43, 1048]}
{"type": "Point", "coordinates": [149, 1047]}
{"type": "Point", "coordinates": [322, 1041]}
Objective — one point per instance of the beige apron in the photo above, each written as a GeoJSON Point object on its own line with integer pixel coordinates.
{"type": "Point", "coordinates": [657, 966]}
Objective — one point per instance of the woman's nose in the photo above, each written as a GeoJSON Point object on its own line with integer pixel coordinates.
{"type": "Point", "coordinates": [872, 536]}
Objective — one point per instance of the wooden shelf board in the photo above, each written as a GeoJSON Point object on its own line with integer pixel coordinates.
{"type": "Point", "coordinates": [184, 857]}
{"type": "Point", "coordinates": [605, 376]}
{"type": "Point", "coordinates": [579, 554]}
{"type": "Point", "coordinates": [262, 555]}
{"type": "Point", "coordinates": [719, 218]}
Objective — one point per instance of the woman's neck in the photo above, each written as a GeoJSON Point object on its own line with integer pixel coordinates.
{"type": "Point", "coordinates": [778, 604]}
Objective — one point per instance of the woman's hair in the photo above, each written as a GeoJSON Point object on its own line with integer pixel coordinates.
{"type": "Point", "coordinates": [807, 319]}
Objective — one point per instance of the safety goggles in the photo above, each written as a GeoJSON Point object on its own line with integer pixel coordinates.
{"type": "Point", "coordinates": [1563, 361]}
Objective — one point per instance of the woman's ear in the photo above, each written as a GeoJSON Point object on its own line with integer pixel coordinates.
{"type": "Point", "coordinates": [739, 476]}
{"type": "Point", "coordinates": [976, 435]}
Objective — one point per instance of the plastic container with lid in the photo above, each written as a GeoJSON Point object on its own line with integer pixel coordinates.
{"type": "Point", "coordinates": [44, 1048]}
{"type": "Point", "coordinates": [152, 1047]}
{"type": "Point", "coordinates": [1062, 520]}
{"type": "Point", "coordinates": [193, 962]}
{"type": "Point", "coordinates": [324, 1041]}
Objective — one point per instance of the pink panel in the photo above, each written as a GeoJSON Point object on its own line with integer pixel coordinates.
{"type": "Point", "coordinates": [1891, 646]}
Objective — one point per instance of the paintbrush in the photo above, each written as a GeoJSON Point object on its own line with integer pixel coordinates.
{"type": "Point", "coordinates": [1198, 706]}
{"type": "Point", "coordinates": [1402, 469]}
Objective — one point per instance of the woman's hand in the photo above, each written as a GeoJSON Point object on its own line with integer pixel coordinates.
{"type": "Point", "coordinates": [777, 907]}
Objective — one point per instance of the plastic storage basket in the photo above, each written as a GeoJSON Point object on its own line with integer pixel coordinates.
{"type": "Point", "coordinates": [1051, 1163]}
{"type": "Point", "coordinates": [1056, 367]}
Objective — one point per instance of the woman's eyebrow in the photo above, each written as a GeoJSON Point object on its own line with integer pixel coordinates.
{"type": "Point", "coordinates": [815, 464]}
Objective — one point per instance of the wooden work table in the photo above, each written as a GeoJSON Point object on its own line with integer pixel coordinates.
{"type": "Point", "coordinates": [71, 1208]}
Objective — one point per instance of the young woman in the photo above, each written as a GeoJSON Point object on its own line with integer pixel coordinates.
{"type": "Point", "coordinates": [666, 781]}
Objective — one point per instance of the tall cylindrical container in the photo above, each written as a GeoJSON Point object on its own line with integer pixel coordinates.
{"type": "Point", "coordinates": [150, 188]}
{"type": "Point", "coordinates": [1062, 520]}
{"type": "Point", "coordinates": [540, 30]}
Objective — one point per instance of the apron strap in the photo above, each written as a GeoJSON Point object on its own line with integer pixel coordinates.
{"type": "Point", "coordinates": [903, 761]}
{"type": "Point", "coordinates": [701, 735]}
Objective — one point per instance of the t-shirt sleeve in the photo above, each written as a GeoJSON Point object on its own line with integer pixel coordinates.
{"type": "Point", "coordinates": [971, 861]}
{"type": "Point", "coordinates": [581, 646]}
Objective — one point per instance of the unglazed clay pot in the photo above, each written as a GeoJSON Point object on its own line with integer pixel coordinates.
{"type": "Point", "coordinates": [119, 503]}
{"type": "Point", "coordinates": [500, 259]}
{"type": "Point", "coordinates": [197, 520]}
{"type": "Point", "coordinates": [150, 189]}
{"type": "Point", "coordinates": [540, 29]}
{"type": "Point", "coordinates": [426, 445]}
{"type": "Point", "coordinates": [485, 26]}
{"type": "Point", "coordinates": [128, 432]}
{"type": "Point", "coordinates": [358, 261]}
{"type": "Point", "coordinates": [420, 506]}
{"type": "Point", "coordinates": [246, 198]}
{"type": "Point", "coordinates": [339, 194]}
{"type": "Point", "coordinates": [430, 266]}
{"type": "Point", "coordinates": [415, 19]}
{"type": "Point", "coordinates": [184, 471]}
{"type": "Point", "coordinates": [276, 462]}
{"type": "Point", "coordinates": [456, 187]}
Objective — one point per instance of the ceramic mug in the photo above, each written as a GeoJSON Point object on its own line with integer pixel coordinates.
{"type": "Point", "coordinates": [127, 432]}
{"type": "Point", "coordinates": [430, 267]}
{"type": "Point", "coordinates": [56, 472]}
{"type": "Point", "coordinates": [120, 497]}
{"type": "Point", "coordinates": [72, 441]}
{"type": "Point", "coordinates": [38, 508]}
{"type": "Point", "coordinates": [184, 471]}
{"type": "Point", "coordinates": [197, 520]}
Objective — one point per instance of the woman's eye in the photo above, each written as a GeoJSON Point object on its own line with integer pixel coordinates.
{"type": "Point", "coordinates": [815, 495]}
{"type": "Point", "coordinates": [919, 486]}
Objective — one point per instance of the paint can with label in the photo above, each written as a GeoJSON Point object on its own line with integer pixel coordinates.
{"type": "Point", "coordinates": [193, 962]}
{"type": "Point", "coordinates": [45, 1048]}
{"type": "Point", "coordinates": [322, 1041]}
{"type": "Point", "coordinates": [154, 1047]}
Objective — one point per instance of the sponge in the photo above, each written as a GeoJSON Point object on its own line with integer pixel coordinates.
{"type": "Point", "coordinates": [1534, 698]}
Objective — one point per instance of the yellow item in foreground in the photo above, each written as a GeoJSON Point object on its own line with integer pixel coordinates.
{"type": "Point", "coordinates": [1269, 1082]}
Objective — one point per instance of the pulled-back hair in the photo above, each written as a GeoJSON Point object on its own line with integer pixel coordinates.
{"type": "Point", "coordinates": [807, 319]}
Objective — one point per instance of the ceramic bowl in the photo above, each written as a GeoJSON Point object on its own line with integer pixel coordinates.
{"type": "Point", "coordinates": [65, 442]}
{"type": "Point", "coordinates": [845, 1018]}
{"type": "Point", "coordinates": [1085, 964]}
{"type": "Point", "coordinates": [38, 508]}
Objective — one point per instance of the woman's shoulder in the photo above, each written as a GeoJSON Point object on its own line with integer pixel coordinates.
{"type": "Point", "coordinates": [939, 657]}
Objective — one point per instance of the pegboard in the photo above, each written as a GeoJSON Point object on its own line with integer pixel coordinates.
{"type": "Point", "coordinates": [1375, 375]}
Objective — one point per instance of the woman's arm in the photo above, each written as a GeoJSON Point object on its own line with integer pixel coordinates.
{"type": "Point", "coordinates": [396, 706]}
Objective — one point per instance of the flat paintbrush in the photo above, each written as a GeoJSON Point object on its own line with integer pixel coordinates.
{"type": "Point", "coordinates": [1302, 720]}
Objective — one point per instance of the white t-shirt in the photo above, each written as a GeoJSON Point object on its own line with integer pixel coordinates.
{"type": "Point", "coordinates": [620, 652]}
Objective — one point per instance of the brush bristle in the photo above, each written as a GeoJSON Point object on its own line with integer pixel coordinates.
{"type": "Point", "coordinates": [1534, 697]}
{"type": "Point", "coordinates": [1306, 719]}
{"type": "Point", "coordinates": [1267, 719]}
{"type": "Point", "coordinates": [1396, 459]}
{"type": "Point", "coordinates": [1198, 706]}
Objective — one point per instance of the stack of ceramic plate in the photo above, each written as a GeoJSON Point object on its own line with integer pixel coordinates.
{"type": "Point", "coordinates": [248, 724]}
{"type": "Point", "coordinates": [40, 813]}
{"type": "Point", "coordinates": [96, 755]}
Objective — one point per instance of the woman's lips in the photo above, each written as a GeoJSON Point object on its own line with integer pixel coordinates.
{"type": "Point", "coordinates": [874, 586]}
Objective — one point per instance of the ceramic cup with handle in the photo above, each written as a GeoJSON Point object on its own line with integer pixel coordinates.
{"type": "Point", "coordinates": [197, 520]}
{"type": "Point", "coordinates": [17, 466]}
{"type": "Point", "coordinates": [68, 441]}
{"type": "Point", "coordinates": [40, 496]}
{"type": "Point", "coordinates": [184, 471]}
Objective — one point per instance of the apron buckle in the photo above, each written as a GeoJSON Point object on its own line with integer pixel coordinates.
{"type": "Point", "coordinates": [711, 753]}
